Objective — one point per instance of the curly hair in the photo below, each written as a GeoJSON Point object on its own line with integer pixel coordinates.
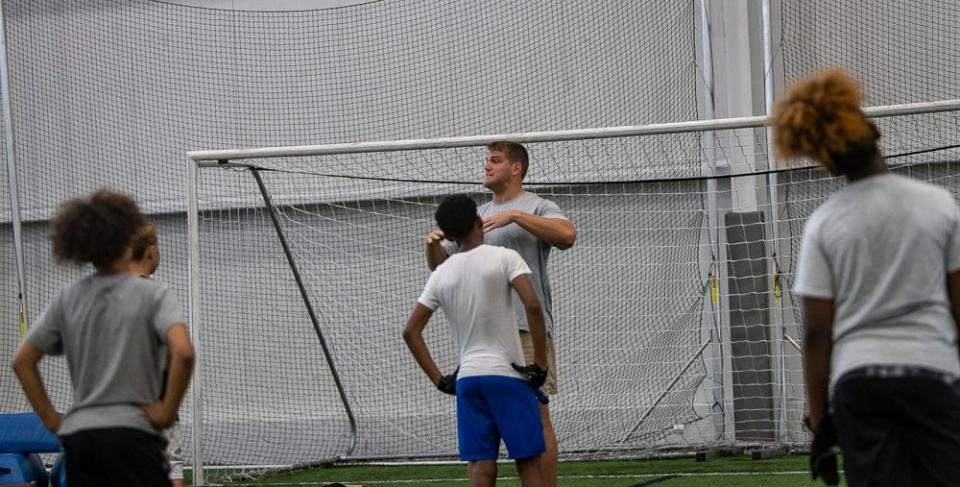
{"type": "Point", "coordinates": [96, 229]}
{"type": "Point", "coordinates": [456, 216]}
{"type": "Point", "coordinates": [820, 118]}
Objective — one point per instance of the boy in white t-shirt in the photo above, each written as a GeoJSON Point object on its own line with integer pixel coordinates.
{"type": "Point", "coordinates": [496, 397]}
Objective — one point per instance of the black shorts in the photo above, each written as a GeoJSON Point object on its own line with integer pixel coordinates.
{"type": "Point", "coordinates": [115, 457]}
{"type": "Point", "coordinates": [898, 426]}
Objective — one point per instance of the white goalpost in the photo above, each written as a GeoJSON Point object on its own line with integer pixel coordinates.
{"type": "Point", "coordinates": [676, 330]}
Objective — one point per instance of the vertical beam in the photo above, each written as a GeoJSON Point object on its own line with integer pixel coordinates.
{"type": "Point", "coordinates": [11, 157]}
{"type": "Point", "coordinates": [737, 34]}
{"type": "Point", "coordinates": [718, 407]}
{"type": "Point", "coordinates": [196, 390]}
{"type": "Point", "coordinates": [776, 314]}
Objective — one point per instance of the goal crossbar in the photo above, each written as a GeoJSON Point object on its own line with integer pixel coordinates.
{"type": "Point", "coordinates": [208, 158]}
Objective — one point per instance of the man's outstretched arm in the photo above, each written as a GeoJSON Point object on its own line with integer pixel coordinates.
{"type": "Point", "coordinates": [559, 232]}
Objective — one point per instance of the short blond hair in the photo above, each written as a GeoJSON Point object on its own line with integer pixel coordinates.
{"type": "Point", "coordinates": [515, 153]}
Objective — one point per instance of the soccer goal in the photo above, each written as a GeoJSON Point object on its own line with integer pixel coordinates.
{"type": "Point", "coordinates": [676, 327]}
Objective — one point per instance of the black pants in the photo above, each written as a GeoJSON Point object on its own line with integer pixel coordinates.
{"type": "Point", "coordinates": [898, 431]}
{"type": "Point", "coordinates": [115, 457]}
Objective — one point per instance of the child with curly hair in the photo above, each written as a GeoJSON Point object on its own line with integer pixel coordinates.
{"type": "Point", "coordinates": [879, 274]}
{"type": "Point", "coordinates": [112, 326]}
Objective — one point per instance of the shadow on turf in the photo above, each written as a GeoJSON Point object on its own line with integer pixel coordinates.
{"type": "Point", "coordinates": [655, 481]}
{"type": "Point", "coordinates": [641, 484]}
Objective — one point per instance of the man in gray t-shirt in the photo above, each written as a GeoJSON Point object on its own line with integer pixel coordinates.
{"type": "Point", "coordinates": [530, 225]}
{"type": "Point", "coordinates": [534, 251]}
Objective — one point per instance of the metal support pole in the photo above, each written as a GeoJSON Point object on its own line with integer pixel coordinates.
{"type": "Point", "coordinates": [272, 211]}
{"type": "Point", "coordinates": [718, 408]}
{"type": "Point", "coordinates": [776, 313]}
{"type": "Point", "coordinates": [196, 389]}
{"type": "Point", "coordinates": [11, 156]}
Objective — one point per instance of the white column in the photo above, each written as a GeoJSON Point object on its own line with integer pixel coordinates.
{"type": "Point", "coordinates": [196, 388]}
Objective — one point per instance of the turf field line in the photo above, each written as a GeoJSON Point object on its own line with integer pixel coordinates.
{"type": "Point", "coordinates": [562, 477]}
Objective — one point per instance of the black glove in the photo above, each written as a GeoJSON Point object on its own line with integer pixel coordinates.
{"type": "Point", "coordinates": [823, 452]}
{"type": "Point", "coordinates": [533, 373]}
{"type": "Point", "coordinates": [448, 383]}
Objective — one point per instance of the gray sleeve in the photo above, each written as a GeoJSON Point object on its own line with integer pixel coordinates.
{"type": "Point", "coordinates": [450, 247]}
{"type": "Point", "coordinates": [549, 209]}
{"type": "Point", "coordinates": [45, 333]}
{"type": "Point", "coordinates": [167, 312]}
{"type": "Point", "coordinates": [814, 277]}
{"type": "Point", "coordinates": [953, 241]}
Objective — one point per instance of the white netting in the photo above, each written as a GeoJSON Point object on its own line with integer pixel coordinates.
{"type": "Point", "coordinates": [113, 93]}
{"type": "Point", "coordinates": [651, 358]}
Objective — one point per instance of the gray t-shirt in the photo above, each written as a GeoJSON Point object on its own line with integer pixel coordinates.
{"type": "Point", "coordinates": [881, 249]}
{"type": "Point", "coordinates": [535, 252]}
{"type": "Point", "coordinates": [113, 331]}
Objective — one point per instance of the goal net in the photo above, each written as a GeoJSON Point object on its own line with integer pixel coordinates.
{"type": "Point", "coordinates": [676, 328]}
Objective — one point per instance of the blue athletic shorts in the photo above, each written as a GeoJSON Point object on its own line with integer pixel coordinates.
{"type": "Point", "coordinates": [491, 407]}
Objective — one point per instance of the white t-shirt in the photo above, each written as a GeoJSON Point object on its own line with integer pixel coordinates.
{"type": "Point", "coordinates": [535, 252]}
{"type": "Point", "coordinates": [474, 290]}
{"type": "Point", "coordinates": [881, 249]}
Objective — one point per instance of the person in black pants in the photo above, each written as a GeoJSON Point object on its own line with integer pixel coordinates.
{"type": "Point", "coordinates": [114, 328]}
{"type": "Point", "coordinates": [879, 277]}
